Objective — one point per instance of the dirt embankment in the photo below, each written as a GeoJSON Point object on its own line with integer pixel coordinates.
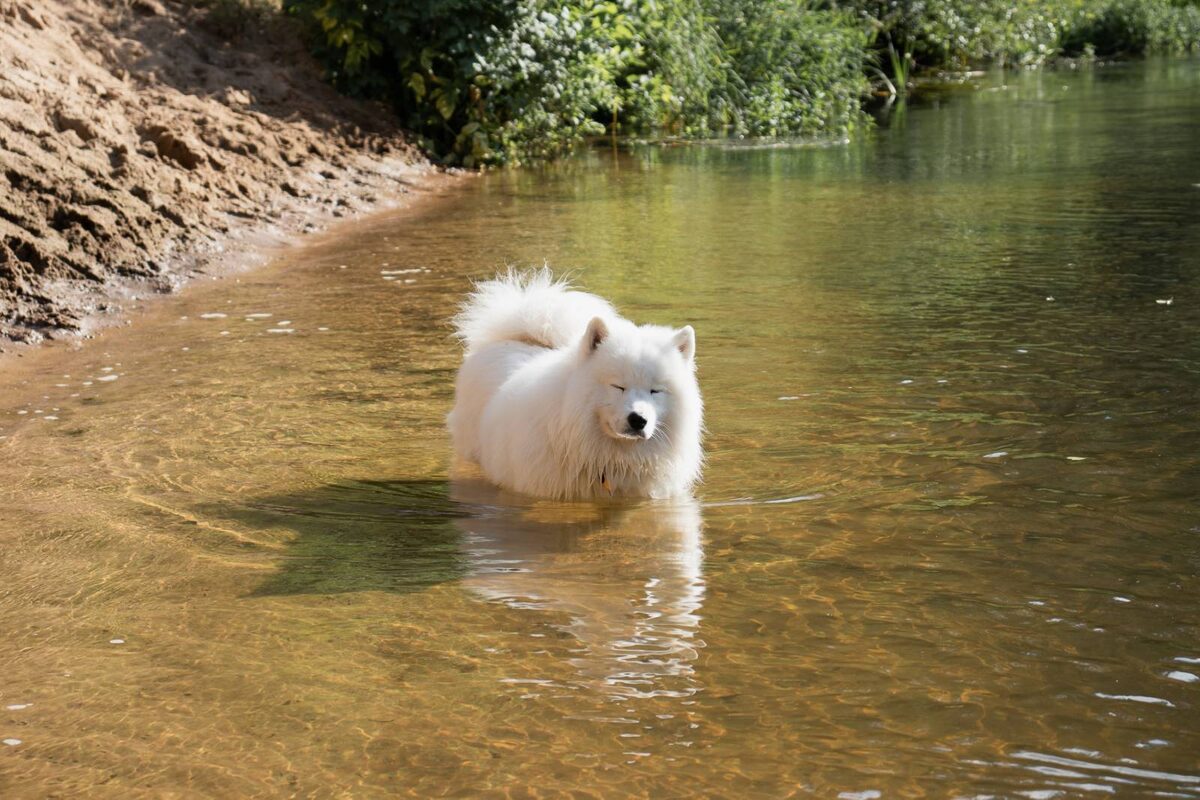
{"type": "Point", "coordinates": [137, 144]}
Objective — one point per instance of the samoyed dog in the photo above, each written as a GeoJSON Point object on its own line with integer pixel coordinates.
{"type": "Point", "coordinates": [560, 397]}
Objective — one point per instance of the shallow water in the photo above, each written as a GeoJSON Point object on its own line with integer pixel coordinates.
{"type": "Point", "coordinates": [948, 542]}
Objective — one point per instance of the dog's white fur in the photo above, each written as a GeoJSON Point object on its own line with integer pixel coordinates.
{"type": "Point", "coordinates": [553, 385]}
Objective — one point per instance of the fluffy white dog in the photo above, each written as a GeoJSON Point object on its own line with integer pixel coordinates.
{"type": "Point", "coordinates": [560, 397]}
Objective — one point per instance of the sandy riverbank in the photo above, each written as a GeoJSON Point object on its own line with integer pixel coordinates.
{"type": "Point", "coordinates": [141, 146]}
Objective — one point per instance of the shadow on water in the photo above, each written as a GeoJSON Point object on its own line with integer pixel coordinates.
{"type": "Point", "coordinates": [393, 536]}
{"type": "Point", "coordinates": [625, 580]}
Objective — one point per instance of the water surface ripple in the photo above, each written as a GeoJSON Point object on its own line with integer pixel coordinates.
{"type": "Point", "coordinates": [947, 544]}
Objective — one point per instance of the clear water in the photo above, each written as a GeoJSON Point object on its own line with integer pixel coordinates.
{"type": "Point", "coordinates": [948, 543]}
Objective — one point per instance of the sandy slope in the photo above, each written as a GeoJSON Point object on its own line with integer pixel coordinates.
{"type": "Point", "coordinates": [136, 144]}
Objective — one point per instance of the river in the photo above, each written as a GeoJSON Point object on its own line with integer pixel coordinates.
{"type": "Point", "coordinates": [947, 544]}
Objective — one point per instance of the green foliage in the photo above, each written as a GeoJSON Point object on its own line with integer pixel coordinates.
{"type": "Point", "coordinates": [478, 81]}
{"type": "Point", "coordinates": [1133, 27]}
{"type": "Point", "coordinates": [502, 81]}
{"type": "Point", "coordinates": [791, 69]}
{"type": "Point", "coordinates": [494, 81]}
{"type": "Point", "coordinates": [954, 33]}
{"type": "Point", "coordinates": [667, 60]}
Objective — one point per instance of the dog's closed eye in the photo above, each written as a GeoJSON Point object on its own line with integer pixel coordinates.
{"type": "Point", "coordinates": [613, 385]}
{"type": "Point", "coordinates": [657, 391]}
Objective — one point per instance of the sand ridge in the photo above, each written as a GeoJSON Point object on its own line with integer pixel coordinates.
{"type": "Point", "coordinates": [138, 143]}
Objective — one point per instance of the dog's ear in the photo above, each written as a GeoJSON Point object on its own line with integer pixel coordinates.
{"type": "Point", "coordinates": [597, 332]}
{"type": "Point", "coordinates": [685, 342]}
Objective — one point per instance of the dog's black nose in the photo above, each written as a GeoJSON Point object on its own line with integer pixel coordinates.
{"type": "Point", "coordinates": [637, 422]}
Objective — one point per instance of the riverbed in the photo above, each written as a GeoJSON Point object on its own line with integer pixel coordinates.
{"type": "Point", "coordinates": [947, 543]}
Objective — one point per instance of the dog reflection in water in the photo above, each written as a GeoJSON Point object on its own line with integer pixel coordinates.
{"type": "Point", "coordinates": [628, 578]}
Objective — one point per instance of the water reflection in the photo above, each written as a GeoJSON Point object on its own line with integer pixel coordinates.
{"type": "Point", "coordinates": [625, 581]}
{"type": "Point", "coordinates": [627, 578]}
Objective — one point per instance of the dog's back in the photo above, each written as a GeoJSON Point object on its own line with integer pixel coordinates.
{"type": "Point", "coordinates": [531, 307]}
{"type": "Point", "coordinates": [504, 324]}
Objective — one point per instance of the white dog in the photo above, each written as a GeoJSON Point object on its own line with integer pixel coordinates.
{"type": "Point", "coordinates": [560, 397]}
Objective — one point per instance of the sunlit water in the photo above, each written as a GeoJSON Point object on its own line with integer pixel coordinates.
{"type": "Point", "coordinates": [948, 542]}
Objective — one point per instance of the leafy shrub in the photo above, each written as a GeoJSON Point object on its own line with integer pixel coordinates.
{"type": "Point", "coordinates": [490, 81]}
{"type": "Point", "coordinates": [791, 69]}
{"type": "Point", "coordinates": [478, 80]}
{"type": "Point", "coordinates": [668, 62]}
{"type": "Point", "coordinates": [1130, 27]}
{"type": "Point", "coordinates": [954, 33]}
{"type": "Point", "coordinates": [495, 81]}
{"type": "Point", "coordinates": [744, 67]}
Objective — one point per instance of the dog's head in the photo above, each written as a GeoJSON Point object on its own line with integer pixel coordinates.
{"type": "Point", "coordinates": [641, 379]}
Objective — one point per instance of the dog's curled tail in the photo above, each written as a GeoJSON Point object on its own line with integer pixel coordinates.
{"type": "Point", "coordinates": [527, 306]}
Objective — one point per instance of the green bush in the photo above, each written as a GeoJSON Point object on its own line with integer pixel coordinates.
{"type": "Point", "coordinates": [478, 81]}
{"type": "Point", "coordinates": [791, 69]}
{"type": "Point", "coordinates": [493, 81]}
{"type": "Point", "coordinates": [502, 81]}
{"type": "Point", "coordinates": [1133, 27]}
{"type": "Point", "coordinates": [955, 33]}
